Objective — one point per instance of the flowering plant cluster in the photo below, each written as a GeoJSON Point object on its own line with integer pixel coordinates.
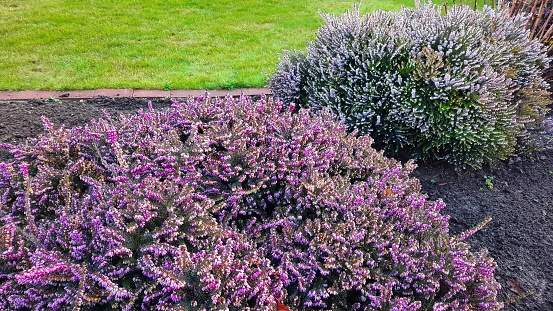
{"type": "Point", "coordinates": [463, 87]}
{"type": "Point", "coordinates": [225, 204]}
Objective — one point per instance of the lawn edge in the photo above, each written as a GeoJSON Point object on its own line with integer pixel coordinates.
{"type": "Point", "coordinates": [119, 93]}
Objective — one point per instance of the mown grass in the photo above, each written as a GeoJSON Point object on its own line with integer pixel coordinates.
{"type": "Point", "coordinates": [179, 44]}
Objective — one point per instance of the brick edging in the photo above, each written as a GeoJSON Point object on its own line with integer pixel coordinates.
{"type": "Point", "coordinates": [88, 94]}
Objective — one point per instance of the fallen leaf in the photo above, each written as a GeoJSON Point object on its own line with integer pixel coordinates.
{"type": "Point", "coordinates": [280, 306]}
{"type": "Point", "coordinates": [514, 286]}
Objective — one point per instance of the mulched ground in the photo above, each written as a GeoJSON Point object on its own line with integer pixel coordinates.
{"type": "Point", "coordinates": [519, 238]}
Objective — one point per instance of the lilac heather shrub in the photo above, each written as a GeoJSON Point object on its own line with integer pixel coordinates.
{"type": "Point", "coordinates": [111, 216]}
{"type": "Point", "coordinates": [226, 204]}
{"type": "Point", "coordinates": [460, 86]}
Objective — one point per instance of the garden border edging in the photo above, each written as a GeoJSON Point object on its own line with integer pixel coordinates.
{"type": "Point", "coordinates": [116, 93]}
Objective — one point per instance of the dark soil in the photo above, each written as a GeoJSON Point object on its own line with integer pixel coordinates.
{"type": "Point", "coordinates": [519, 238]}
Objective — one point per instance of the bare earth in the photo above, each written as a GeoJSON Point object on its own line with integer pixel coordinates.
{"type": "Point", "coordinates": [519, 238]}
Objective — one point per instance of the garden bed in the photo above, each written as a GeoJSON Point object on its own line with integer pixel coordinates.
{"type": "Point", "coordinates": [517, 194]}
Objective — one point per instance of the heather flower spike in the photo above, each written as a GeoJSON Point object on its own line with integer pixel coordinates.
{"type": "Point", "coordinates": [226, 204]}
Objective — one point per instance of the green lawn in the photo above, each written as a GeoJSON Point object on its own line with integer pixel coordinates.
{"type": "Point", "coordinates": [179, 44]}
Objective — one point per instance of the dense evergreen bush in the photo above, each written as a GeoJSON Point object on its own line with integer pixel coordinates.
{"type": "Point", "coordinates": [225, 205]}
{"type": "Point", "coordinates": [463, 86]}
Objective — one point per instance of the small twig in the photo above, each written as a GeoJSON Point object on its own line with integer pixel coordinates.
{"type": "Point", "coordinates": [544, 26]}
{"type": "Point", "coordinates": [28, 211]}
{"type": "Point", "coordinates": [532, 10]}
{"type": "Point", "coordinates": [517, 298]}
{"type": "Point", "coordinates": [80, 293]}
{"type": "Point", "coordinates": [100, 155]}
{"type": "Point", "coordinates": [465, 234]}
{"type": "Point", "coordinates": [537, 18]}
{"type": "Point", "coordinates": [534, 5]}
{"type": "Point", "coordinates": [547, 35]}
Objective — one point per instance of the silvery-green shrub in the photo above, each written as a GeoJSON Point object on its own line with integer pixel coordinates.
{"type": "Point", "coordinates": [423, 84]}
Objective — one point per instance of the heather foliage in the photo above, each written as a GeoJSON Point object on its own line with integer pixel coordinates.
{"type": "Point", "coordinates": [225, 204]}
{"type": "Point", "coordinates": [463, 86]}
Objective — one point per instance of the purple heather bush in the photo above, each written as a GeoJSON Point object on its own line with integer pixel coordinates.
{"type": "Point", "coordinates": [463, 87]}
{"type": "Point", "coordinates": [226, 204]}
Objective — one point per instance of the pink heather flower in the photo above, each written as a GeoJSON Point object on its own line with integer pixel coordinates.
{"type": "Point", "coordinates": [292, 107]}
{"type": "Point", "coordinates": [112, 136]}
